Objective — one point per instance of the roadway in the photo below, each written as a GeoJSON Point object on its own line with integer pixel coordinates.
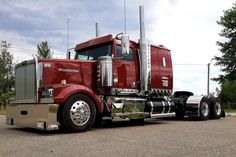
{"type": "Point", "coordinates": [156, 138]}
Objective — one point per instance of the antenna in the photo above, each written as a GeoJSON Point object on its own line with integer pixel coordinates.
{"type": "Point", "coordinates": [125, 16]}
{"type": "Point", "coordinates": [97, 29]}
{"type": "Point", "coordinates": [68, 29]}
{"type": "Point", "coordinates": [125, 37]}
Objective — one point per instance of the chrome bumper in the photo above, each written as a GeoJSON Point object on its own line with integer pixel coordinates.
{"type": "Point", "coordinates": [39, 116]}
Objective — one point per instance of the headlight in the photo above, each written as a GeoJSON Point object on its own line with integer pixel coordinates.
{"type": "Point", "coordinates": [48, 93]}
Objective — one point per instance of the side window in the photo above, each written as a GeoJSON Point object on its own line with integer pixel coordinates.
{"type": "Point", "coordinates": [82, 56]}
{"type": "Point", "coordinates": [164, 61]}
{"type": "Point", "coordinates": [119, 55]}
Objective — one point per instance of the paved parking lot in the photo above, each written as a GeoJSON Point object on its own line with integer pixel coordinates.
{"type": "Point", "coordinates": [157, 138]}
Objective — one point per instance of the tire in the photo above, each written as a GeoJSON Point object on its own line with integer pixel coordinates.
{"type": "Point", "coordinates": [223, 113]}
{"type": "Point", "coordinates": [216, 109]}
{"type": "Point", "coordinates": [98, 123]}
{"type": "Point", "coordinates": [179, 111]}
{"type": "Point", "coordinates": [204, 109]}
{"type": "Point", "coordinates": [179, 114]}
{"type": "Point", "coordinates": [78, 113]}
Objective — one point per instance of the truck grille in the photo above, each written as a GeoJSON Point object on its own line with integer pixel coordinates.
{"type": "Point", "coordinates": [26, 82]}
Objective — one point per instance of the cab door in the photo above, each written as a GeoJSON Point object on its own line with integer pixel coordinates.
{"type": "Point", "coordinates": [126, 68]}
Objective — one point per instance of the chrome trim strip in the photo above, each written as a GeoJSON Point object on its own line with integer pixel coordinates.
{"type": "Point", "coordinates": [149, 65]}
{"type": "Point", "coordinates": [39, 76]}
{"type": "Point", "coordinates": [169, 107]}
{"type": "Point", "coordinates": [163, 115]}
{"type": "Point", "coordinates": [129, 99]}
{"type": "Point", "coordinates": [127, 114]}
{"type": "Point", "coordinates": [69, 70]}
{"type": "Point", "coordinates": [124, 91]}
{"type": "Point", "coordinates": [163, 103]}
{"type": "Point", "coordinates": [37, 80]}
{"type": "Point", "coordinates": [152, 107]}
{"type": "Point", "coordinates": [23, 101]}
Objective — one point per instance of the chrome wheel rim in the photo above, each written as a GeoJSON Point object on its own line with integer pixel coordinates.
{"type": "Point", "coordinates": [205, 109]}
{"type": "Point", "coordinates": [218, 108]}
{"type": "Point", "coordinates": [80, 113]}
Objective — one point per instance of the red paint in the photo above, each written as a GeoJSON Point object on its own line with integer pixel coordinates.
{"type": "Point", "coordinates": [95, 41]}
{"type": "Point", "coordinates": [63, 92]}
{"type": "Point", "coordinates": [158, 71]}
{"type": "Point", "coordinates": [126, 72]}
{"type": "Point", "coordinates": [83, 77]}
{"type": "Point", "coordinates": [53, 72]}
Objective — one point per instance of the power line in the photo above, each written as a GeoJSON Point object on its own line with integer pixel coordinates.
{"type": "Point", "coordinates": [27, 49]}
{"type": "Point", "coordinates": [32, 50]}
{"type": "Point", "coordinates": [190, 64]}
{"type": "Point", "coordinates": [20, 48]}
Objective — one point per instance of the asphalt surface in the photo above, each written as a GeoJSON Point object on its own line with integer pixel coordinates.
{"type": "Point", "coordinates": [157, 138]}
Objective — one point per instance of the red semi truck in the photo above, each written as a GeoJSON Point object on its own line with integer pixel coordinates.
{"type": "Point", "coordinates": [109, 78]}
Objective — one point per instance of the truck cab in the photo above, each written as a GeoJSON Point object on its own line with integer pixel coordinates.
{"type": "Point", "coordinates": [126, 68]}
{"type": "Point", "coordinates": [100, 74]}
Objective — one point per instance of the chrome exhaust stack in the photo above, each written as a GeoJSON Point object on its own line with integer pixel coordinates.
{"type": "Point", "coordinates": [144, 55]}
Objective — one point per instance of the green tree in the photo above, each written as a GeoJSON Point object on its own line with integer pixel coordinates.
{"type": "Point", "coordinates": [228, 93]}
{"type": "Point", "coordinates": [44, 50]}
{"type": "Point", "coordinates": [227, 45]}
{"type": "Point", "coordinates": [7, 77]}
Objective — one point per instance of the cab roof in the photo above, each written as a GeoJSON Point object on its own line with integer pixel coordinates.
{"type": "Point", "coordinates": [95, 41]}
{"type": "Point", "coordinates": [106, 39]}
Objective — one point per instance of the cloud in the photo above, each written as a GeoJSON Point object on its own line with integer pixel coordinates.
{"type": "Point", "coordinates": [187, 27]}
{"type": "Point", "coordinates": [189, 30]}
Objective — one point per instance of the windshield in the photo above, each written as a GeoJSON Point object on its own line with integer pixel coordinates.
{"type": "Point", "coordinates": [94, 53]}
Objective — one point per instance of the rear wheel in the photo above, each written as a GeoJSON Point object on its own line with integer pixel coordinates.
{"type": "Point", "coordinates": [78, 113]}
{"type": "Point", "coordinates": [204, 109]}
{"type": "Point", "coordinates": [216, 109]}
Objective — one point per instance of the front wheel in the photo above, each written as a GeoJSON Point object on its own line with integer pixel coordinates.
{"type": "Point", "coordinates": [78, 113]}
{"type": "Point", "coordinates": [204, 109]}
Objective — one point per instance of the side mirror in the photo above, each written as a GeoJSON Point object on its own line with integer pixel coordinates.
{"type": "Point", "coordinates": [125, 44]}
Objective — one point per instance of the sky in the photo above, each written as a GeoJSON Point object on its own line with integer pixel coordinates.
{"type": "Point", "coordinates": [187, 27]}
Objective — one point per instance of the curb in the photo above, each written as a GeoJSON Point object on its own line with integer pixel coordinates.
{"type": "Point", "coordinates": [230, 114]}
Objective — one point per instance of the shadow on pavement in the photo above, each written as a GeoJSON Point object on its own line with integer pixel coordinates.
{"type": "Point", "coordinates": [106, 125]}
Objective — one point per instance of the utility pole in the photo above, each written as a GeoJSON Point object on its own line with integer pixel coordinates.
{"type": "Point", "coordinates": [208, 77]}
